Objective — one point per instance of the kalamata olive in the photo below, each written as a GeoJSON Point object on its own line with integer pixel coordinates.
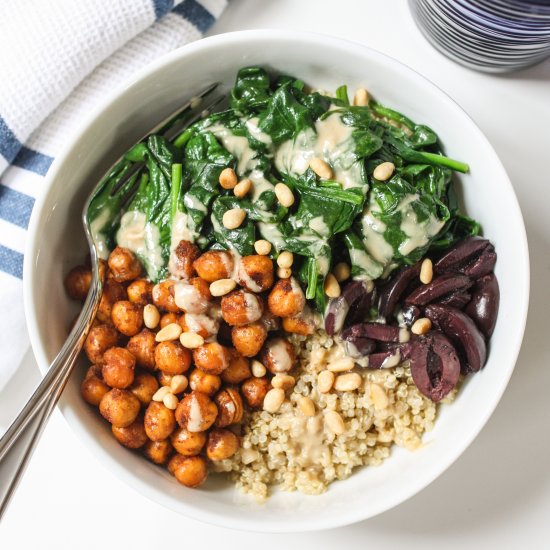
{"type": "Point", "coordinates": [473, 256]}
{"type": "Point", "coordinates": [385, 359]}
{"type": "Point", "coordinates": [379, 332]}
{"type": "Point", "coordinates": [356, 344]}
{"type": "Point", "coordinates": [438, 288]}
{"type": "Point", "coordinates": [463, 332]}
{"type": "Point", "coordinates": [392, 291]}
{"type": "Point", "coordinates": [435, 367]}
{"type": "Point", "coordinates": [350, 307]}
{"type": "Point", "coordinates": [483, 308]}
{"type": "Point", "coordinates": [456, 299]}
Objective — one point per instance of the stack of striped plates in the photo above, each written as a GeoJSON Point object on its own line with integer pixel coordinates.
{"type": "Point", "coordinates": [487, 35]}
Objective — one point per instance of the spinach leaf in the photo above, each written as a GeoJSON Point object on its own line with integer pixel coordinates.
{"type": "Point", "coordinates": [251, 91]}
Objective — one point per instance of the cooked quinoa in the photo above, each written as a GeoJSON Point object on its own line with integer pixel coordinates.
{"type": "Point", "coordinates": [295, 452]}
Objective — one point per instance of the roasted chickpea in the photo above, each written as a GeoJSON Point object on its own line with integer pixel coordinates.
{"type": "Point", "coordinates": [127, 317]}
{"type": "Point", "coordinates": [221, 444]}
{"type": "Point", "coordinates": [299, 325]}
{"type": "Point", "coordinates": [119, 407]}
{"type": "Point", "coordinates": [112, 293]}
{"type": "Point", "coordinates": [286, 299]}
{"type": "Point", "coordinates": [142, 347]}
{"type": "Point", "coordinates": [144, 387]}
{"type": "Point", "coordinates": [237, 371]}
{"type": "Point", "coordinates": [99, 340]}
{"type": "Point", "coordinates": [278, 356]}
{"type": "Point", "coordinates": [94, 370]}
{"type": "Point", "coordinates": [214, 265]}
{"type": "Point", "coordinates": [188, 443]}
{"type": "Point", "coordinates": [124, 265]}
{"type": "Point", "coordinates": [163, 296]}
{"type": "Point", "coordinates": [172, 358]}
{"type": "Point", "coordinates": [212, 358]}
{"type": "Point", "coordinates": [194, 296]}
{"type": "Point", "coordinates": [256, 273]}
{"type": "Point", "coordinates": [204, 382]}
{"type": "Point", "coordinates": [140, 292]}
{"type": "Point", "coordinates": [77, 282]}
{"type": "Point", "coordinates": [190, 471]}
{"type": "Point", "coordinates": [241, 308]}
{"type": "Point", "coordinates": [164, 379]}
{"type": "Point", "coordinates": [230, 407]}
{"type": "Point", "coordinates": [249, 339]}
{"type": "Point", "coordinates": [196, 412]}
{"type": "Point", "coordinates": [159, 421]}
{"type": "Point", "coordinates": [118, 368]}
{"type": "Point", "coordinates": [132, 436]}
{"type": "Point", "coordinates": [93, 388]}
{"type": "Point", "coordinates": [254, 390]}
{"type": "Point", "coordinates": [200, 324]}
{"type": "Point", "coordinates": [184, 255]}
{"type": "Point", "coordinates": [158, 452]}
{"type": "Point", "coordinates": [168, 319]}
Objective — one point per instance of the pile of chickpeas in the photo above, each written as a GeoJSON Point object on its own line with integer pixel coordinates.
{"type": "Point", "coordinates": [175, 380]}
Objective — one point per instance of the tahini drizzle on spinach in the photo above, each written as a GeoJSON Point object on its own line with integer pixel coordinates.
{"type": "Point", "coordinates": [273, 126]}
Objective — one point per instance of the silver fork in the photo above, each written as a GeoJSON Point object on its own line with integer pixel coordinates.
{"type": "Point", "coordinates": [19, 441]}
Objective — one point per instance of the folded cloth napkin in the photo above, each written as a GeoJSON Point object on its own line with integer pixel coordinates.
{"type": "Point", "coordinates": [58, 59]}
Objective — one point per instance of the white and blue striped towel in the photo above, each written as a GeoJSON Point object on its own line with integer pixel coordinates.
{"type": "Point", "coordinates": [57, 61]}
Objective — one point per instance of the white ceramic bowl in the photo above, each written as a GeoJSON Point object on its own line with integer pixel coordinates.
{"type": "Point", "coordinates": [56, 243]}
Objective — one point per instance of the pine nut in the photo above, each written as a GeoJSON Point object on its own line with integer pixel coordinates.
{"type": "Point", "coordinates": [283, 381]}
{"type": "Point", "coordinates": [348, 382]}
{"type": "Point", "coordinates": [169, 332]}
{"type": "Point", "coordinates": [384, 171]}
{"type": "Point", "coordinates": [170, 401]}
{"type": "Point", "coordinates": [306, 406]}
{"type": "Point", "coordinates": [332, 286]}
{"type": "Point", "coordinates": [242, 188]}
{"type": "Point", "coordinates": [341, 365]}
{"type": "Point", "coordinates": [262, 247]}
{"type": "Point", "coordinates": [321, 168]}
{"type": "Point", "coordinates": [342, 272]}
{"type": "Point", "coordinates": [378, 397]}
{"type": "Point", "coordinates": [325, 380]}
{"type": "Point", "coordinates": [361, 98]}
{"type": "Point", "coordinates": [426, 271]}
{"type": "Point", "coordinates": [284, 272]}
{"type": "Point", "coordinates": [233, 218]}
{"type": "Point", "coordinates": [273, 400]}
{"type": "Point", "coordinates": [151, 316]}
{"type": "Point", "coordinates": [285, 259]}
{"type": "Point", "coordinates": [284, 194]}
{"type": "Point", "coordinates": [258, 370]}
{"type": "Point", "coordinates": [178, 383]}
{"type": "Point", "coordinates": [228, 178]}
{"type": "Point", "coordinates": [191, 340]}
{"type": "Point", "coordinates": [335, 422]}
{"type": "Point", "coordinates": [222, 287]}
{"type": "Point", "coordinates": [248, 456]}
{"type": "Point", "coordinates": [161, 393]}
{"type": "Point", "coordinates": [421, 326]}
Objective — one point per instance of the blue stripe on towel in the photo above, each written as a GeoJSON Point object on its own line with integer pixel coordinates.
{"type": "Point", "coordinates": [36, 162]}
{"type": "Point", "coordinates": [11, 262]}
{"type": "Point", "coordinates": [15, 207]}
{"type": "Point", "coordinates": [162, 7]}
{"type": "Point", "coordinates": [9, 144]}
{"type": "Point", "coordinates": [196, 14]}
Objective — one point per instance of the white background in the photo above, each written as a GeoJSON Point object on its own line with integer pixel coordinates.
{"type": "Point", "coordinates": [497, 495]}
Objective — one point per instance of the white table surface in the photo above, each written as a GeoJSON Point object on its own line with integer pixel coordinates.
{"type": "Point", "coordinates": [497, 495]}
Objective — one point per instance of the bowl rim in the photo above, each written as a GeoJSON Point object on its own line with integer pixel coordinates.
{"type": "Point", "coordinates": [32, 248]}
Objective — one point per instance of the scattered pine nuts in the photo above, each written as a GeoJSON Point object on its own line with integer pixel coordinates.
{"type": "Point", "coordinates": [151, 316]}
{"type": "Point", "coordinates": [284, 272]}
{"type": "Point", "coordinates": [284, 194]}
{"type": "Point", "coordinates": [325, 380]}
{"type": "Point", "coordinates": [258, 370]}
{"type": "Point", "coordinates": [332, 287]}
{"type": "Point", "coordinates": [170, 401]}
{"type": "Point", "coordinates": [378, 397]}
{"type": "Point", "coordinates": [285, 259]}
{"type": "Point", "coordinates": [178, 383]}
{"type": "Point", "coordinates": [273, 400]}
{"type": "Point", "coordinates": [161, 393]}
{"type": "Point", "coordinates": [228, 178]}
{"type": "Point", "coordinates": [421, 326]}
{"type": "Point", "coordinates": [426, 271]}
{"type": "Point", "coordinates": [341, 365]}
{"type": "Point", "coordinates": [222, 287]}
{"type": "Point", "coordinates": [242, 188]}
{"type": "Point", "coordinates": [384, 171]}
{"type": "Point", "coordinates": [283, 381]}
{"type": "Point", "coordinates": [233, 218]}
{"type": "Point", "coordinates": [321, 168]}
{"type": "Point", "coordinates": [306, 406]}
{"type": "Point", "coordinates": [335, 422]}
{"type": "Point", "coordinates": [342, 272]}
{"type": "Point", "coordinates": [348, 382]}
{"type": "Point", "coordinates": [191, 340]}
{"type": "Point", "coordinates": [361, 98]}
{"type": "Point", "coordinates": [169, 332]}
{"type": "Point", "coordinates": [262, 247]}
